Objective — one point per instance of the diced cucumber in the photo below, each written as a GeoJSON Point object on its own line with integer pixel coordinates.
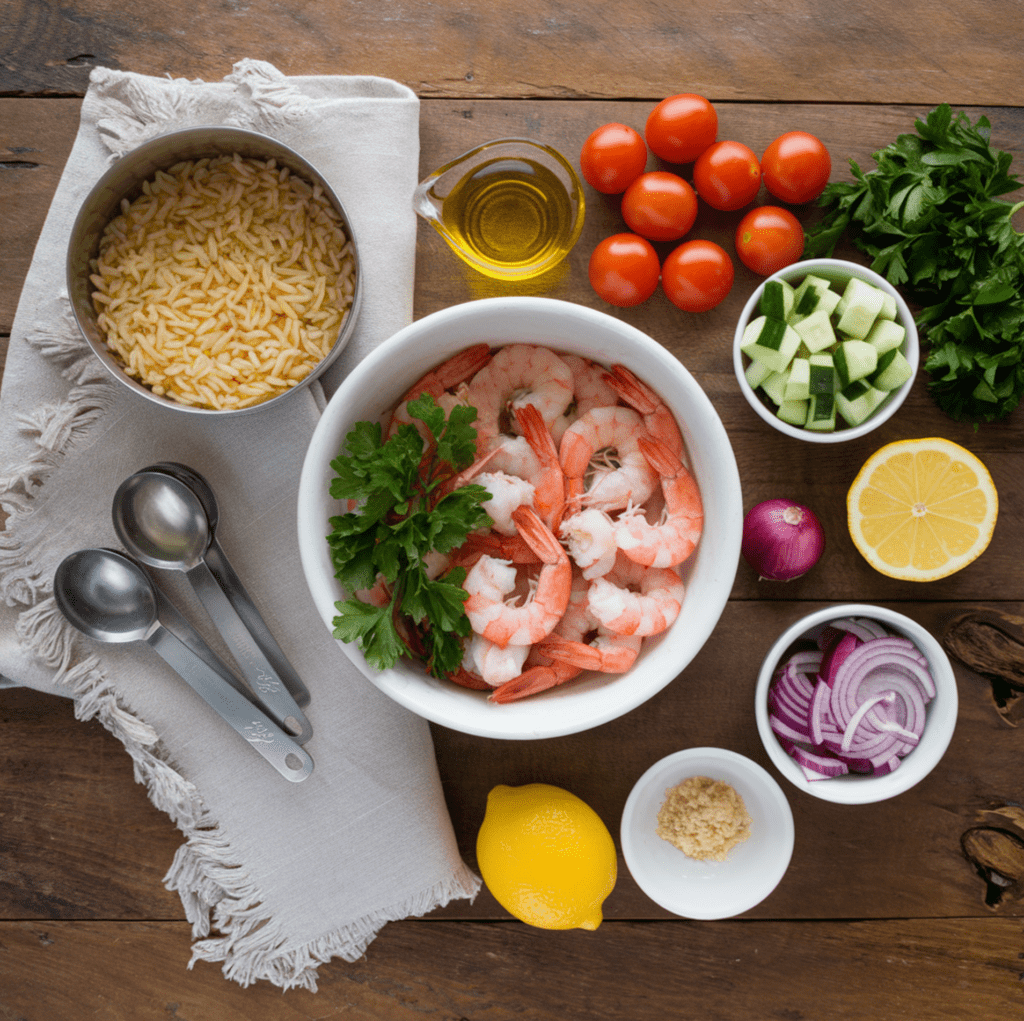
{"type": "Point", "coordinates": [821, 412]}
{"type": "Point", "coordinates": [816, 331]}
{"type": "Point", "coordinates": [822, 375]}
{"type": "Point", "coordinates": [892, 372]}
{"type": "Point", "coordinates": [770, 341]}
{"type": "Point", "coordinates": [777, 299]}
{"type": "Point", "coordinates": [888, 307]}
{"type": "Point", "coordinates": [859, 307]}
{"type": "Point", "coordinates": [798, 382]}
{"type": "Point", "coordinates": [793, 412]}
{"type": "Point", "coordinates": [809, 295]}
{"type": "Point", "coordinates": [757, 373]}
{"type": "Point", "coordinates": [858, 401]}
{"type": "Point", "coordinates": [774, 387]}
{"type": "Point", "coordinates": [885, 335]}
{"type": "Point", "coordinates": [854, 359]}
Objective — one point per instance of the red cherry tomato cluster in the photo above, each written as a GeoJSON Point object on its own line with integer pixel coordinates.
{"type": "Point", "coordinates": [661, 206]}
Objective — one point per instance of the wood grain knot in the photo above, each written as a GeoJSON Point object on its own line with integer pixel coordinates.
{"type": "Point", "coordinates": [995, 848]}
{"type": "Point", "coordinates": [992, 644]}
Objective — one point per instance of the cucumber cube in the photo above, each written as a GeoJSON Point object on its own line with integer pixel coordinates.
{"type": "Point", "coordinates": [888, 307]}
{"type": "Point", "coordinates": [757, 373]}
{"type": "Point", "coordinates": [885, 335]}
{"type": "Point", "coordinates": [810, 294]}
{"type": "Point", "coordinates": [859, 307]}
{"type": "Point", "coordinates": [798, 383]}
{"type": "Point", "coordinates": [816, 331]}
{"type": "Point", "coordinates": [774, 386]}
{"type": "Point", "coordinates": [858, 401]}
{"type": "Point", "coordinates": [793, 412]}
{"type": "Point", "coordinates": [777, 299]}
{"type": "Point", "coordinates": [854, 359]}
{"type": "Point", "coordinates": [770, 341]}
{"type": "Point", "coordinates": [822, 375]}
{"type": "Point", "coordinates": [892, 372]}
{"type": "Point", "coordinates": [821, 413]}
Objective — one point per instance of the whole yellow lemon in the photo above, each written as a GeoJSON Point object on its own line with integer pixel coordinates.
{"type": "Point", "coordinates": [546, 856]}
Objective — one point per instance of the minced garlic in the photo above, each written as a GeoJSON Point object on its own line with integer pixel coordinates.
{"type": "Point", "coordinates": [704, 818]}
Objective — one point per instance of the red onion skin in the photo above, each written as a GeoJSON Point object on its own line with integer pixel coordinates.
{"type": "Point", "coordinates": [781, 540]}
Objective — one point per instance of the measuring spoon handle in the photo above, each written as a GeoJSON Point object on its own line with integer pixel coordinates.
{"type": "Point", "coordinates": [288, 757]}
{"type": "Point", "coordinates": [268, 688]}
{"type": "Point", "coordinates": [220, 567]}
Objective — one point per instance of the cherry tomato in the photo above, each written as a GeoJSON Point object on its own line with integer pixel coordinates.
{"type": "Point", "coordinates": [769, 238]}
{"type": "Point", "coordinates": [681, 127]}
{"type": "Point", "coordinates": [697, 275]}
{"type": "Point", "coordinates": [796, 167]}
{"type": "Point", "coordinates": [659, 206]}
{"type": "Point", "coordinates": [727, 175]}
{"type": "Point", "coordinates": [612, 158]}
{"type": "Point", "coordinates": [624, 269]}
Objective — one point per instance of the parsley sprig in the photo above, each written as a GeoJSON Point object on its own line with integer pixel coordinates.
{"type": "Point", "coordinates": [399, 519]}
{"type": "Point", "coordinates": [930, 217]}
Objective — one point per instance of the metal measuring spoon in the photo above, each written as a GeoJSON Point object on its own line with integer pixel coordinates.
{"type": "Point", "coordinates": [110, 598]}
{"type": "Point", "coordinates": [162, 522]}
{"type": "Point", "coordinates": [221, 569]}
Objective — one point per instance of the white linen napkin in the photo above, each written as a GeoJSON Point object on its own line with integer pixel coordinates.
{"type": "Point", "coordinates": [276, 878]}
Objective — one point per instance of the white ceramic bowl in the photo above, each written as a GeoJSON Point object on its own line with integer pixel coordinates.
{"type": "Point", "coordinates": [837, 271]}
{"type": "Point", "coordinates": [860, 788]}
{"type": "Point", "coordinates": [708, 889]}
{"type": "Point", "coordinates": [378, 382]}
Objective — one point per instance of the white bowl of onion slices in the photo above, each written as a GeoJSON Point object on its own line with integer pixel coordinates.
{"type": "Point", "coordinates": [856, 703]}
{"type": "Point", "coordinates": [374, 387]}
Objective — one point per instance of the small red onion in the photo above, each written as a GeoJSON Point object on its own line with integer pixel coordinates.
{"type": "Point", "coordinates": [782, 540]}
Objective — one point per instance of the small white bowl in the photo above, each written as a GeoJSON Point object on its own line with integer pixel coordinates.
{"type": "Point", "coordinates": [708, 889]}
{"type": "Point", "coordinates": [378, 382]}
{"type": "Point", "coordinates": [941, 712]}
{"type": "Point", "coordinates": [836, 271]}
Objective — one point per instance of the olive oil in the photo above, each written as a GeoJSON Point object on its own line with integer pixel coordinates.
{"type": "Point", "coordinates": [509, 215]}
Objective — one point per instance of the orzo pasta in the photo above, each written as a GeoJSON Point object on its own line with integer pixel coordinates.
{"type": "Point", "coordinates": [225, 283]}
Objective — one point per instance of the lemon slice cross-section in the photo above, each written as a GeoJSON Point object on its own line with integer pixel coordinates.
{"type": "Point", "coordinates": [920, 510]}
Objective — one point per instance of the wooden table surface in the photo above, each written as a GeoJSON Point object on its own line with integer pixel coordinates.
{"type": "Point", "coordinates": [906, 909]}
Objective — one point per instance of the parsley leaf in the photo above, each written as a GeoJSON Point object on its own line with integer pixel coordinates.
{"type": "Point", "coordinates": [930, 217]}
{"type": "Point", "coordinates": [400, 516]}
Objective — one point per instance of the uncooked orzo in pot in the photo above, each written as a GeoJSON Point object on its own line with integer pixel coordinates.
{"type": "Point", "coordinates": [225, 282]}
{"type": "Point", "coordinates": [704, 818]}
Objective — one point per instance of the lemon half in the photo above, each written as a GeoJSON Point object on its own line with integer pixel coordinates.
{"type": "Point", "coordinates": [920, 510]}
{"type": "Point", "coordinates": [546, 856]}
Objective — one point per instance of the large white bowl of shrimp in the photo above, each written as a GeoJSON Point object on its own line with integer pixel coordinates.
{"type": "Point", "coordinates": [614, 505]}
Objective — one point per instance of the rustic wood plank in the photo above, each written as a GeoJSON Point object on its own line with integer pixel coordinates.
{"type": "Point", "coordinates": [81, 841]}
{"type": "Point", "coordinates": [838, 51]}
{"type": "Point", "coordinates": [967, 970]}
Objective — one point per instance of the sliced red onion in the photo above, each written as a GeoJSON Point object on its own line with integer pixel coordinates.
{"type": "Point", "coordinates": [864, 709]}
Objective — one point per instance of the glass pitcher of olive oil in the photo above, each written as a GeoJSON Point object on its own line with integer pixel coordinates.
{"type": "Point", "coordinates": [511, 208]}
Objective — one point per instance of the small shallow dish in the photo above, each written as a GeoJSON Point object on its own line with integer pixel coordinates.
{"type": "Point", "coordinates": [941, 712]}
{"type": "Point", "coordinates": [378, 382]}
{"type": "Point", "coordinates": [125, 180]}
{"type": "Point", "coordinates": [836, 271]}
{"type": "Point", "coordinates": [708, 889]}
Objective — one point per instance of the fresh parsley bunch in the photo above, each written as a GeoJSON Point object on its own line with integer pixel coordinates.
{"type": "Point", "coordinates": [929, 217]}
{"type": "Point", "coordinates": [399, 519]}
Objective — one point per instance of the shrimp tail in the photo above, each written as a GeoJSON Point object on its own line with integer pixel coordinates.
{"type": "Point", "coordinates": [451, 373]}
{"type": "Point", "coordinates": [533, 681]}
{"type": "Point", "coordinates": [549, 494]}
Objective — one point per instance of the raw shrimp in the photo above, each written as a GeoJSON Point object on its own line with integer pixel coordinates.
{"type": "Point", "coordinates": [589, 390]}
{"type": "Point", "coordinates": [493, 663]}
{"type": "Point", "coordinates": [541, 671]}
{"type": "Point", "coordinates": [518, 374]}
{"type": "Point", "coordinates": [675, 535]}
{"type": "Point", "coordinates": [548, 481]}
{"type": "Point", "coordinates": [638, 395]}
{"type": "Point", "coordinates": [636, 600]}
{"type": "Point", "coordinates": [603, 444]}
{"type": "Point", "coordinates": [491, 580]}
{"type": "Point", "coordinates": [590, 539]}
